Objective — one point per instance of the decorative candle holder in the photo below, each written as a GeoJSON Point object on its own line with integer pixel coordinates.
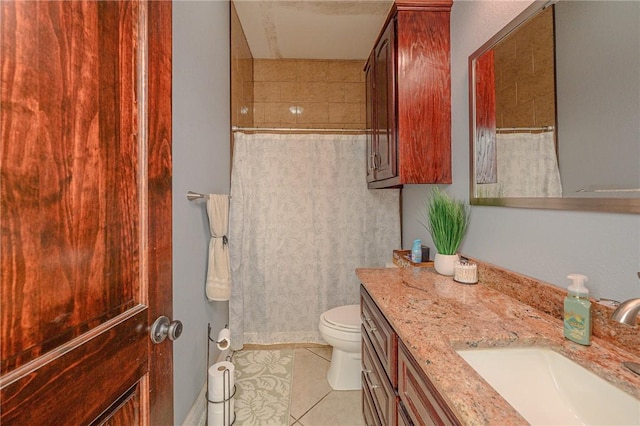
{"type": "Point", "coordinates": [465, 272]}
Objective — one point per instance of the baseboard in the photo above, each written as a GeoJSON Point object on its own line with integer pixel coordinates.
{"type": "Point", "coordinates": [198, 414]}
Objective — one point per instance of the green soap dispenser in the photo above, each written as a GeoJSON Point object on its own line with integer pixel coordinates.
{"type": "Point", "coordinates": [577, 311]}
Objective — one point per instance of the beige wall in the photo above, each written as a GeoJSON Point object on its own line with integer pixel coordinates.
{"type": "Point", "coordinates": [327, 93]}
{"type": "Point", "coordinates": [264, 92]}
{"type": "Point", "coordinates": [525, 84]}
{"type": "Point", "coordinates": [241, 75]}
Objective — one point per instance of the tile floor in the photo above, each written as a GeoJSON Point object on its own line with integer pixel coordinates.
{"type": "Point", "coordinates": [313, 402]}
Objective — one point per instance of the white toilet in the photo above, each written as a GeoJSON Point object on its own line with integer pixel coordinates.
{"type": "Point", "coordinates": [340, 327]}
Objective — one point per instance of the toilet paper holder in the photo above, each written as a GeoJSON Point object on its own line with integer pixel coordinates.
{"type": "Point", "coordinates": [226, 377]}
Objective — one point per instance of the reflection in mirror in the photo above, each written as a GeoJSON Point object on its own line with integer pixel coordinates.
{"type": "Point", "coordinates": [516, 150]}
{"type": "Point", "coordinates": [555, 109]}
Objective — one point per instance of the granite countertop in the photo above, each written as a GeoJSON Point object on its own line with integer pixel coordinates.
{"type": "Point", "coordinates": [434, 316]}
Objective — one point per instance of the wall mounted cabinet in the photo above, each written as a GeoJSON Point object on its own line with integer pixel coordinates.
{"type": "Point", "coordinates": [409, 97]}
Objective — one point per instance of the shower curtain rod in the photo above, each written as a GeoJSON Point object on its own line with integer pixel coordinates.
{"type": "Point", "coordinates": [524, 129]}
{"type": "Point", "coordinates": [295, 130]}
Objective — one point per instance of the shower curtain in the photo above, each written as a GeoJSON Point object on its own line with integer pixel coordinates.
{"type": "Point", "coordinates": [527, 167]}
{"type": "Point", "coordinates": [301, 221]}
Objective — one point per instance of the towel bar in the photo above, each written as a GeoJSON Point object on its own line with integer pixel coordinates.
{"type": "Point", "coordinates": [196, 195]}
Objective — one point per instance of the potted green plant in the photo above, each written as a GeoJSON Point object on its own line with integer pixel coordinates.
{"type": "Point", "coordinates": [447, 222]}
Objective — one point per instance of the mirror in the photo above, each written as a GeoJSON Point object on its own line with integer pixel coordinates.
{"type": "Point", "coordinates": [554, 103]}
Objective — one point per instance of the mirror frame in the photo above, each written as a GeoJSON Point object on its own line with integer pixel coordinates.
{"type": "Point", "coordinates": [610, 205]}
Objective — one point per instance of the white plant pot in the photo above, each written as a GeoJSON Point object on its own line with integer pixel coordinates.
{"type": "Point", "coordinates": [445, 264]}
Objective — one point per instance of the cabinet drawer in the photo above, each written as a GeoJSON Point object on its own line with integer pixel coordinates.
{"type": "Point", "coordinates": [375, 381]}
{"type": "Point", "coordinates": [383, 339]}
{"type": "Point", "coordinates": [368, 410]}
{"type": "Point", "coordinates": [403, 417]}
{"type": "Point", "coordinates": [423, 403]}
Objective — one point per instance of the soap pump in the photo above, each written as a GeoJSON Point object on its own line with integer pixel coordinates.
{"type": "Point", "coordinates": [577, 311]}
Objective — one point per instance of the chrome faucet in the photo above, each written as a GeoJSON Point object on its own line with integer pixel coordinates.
{"type": "Point", "coordinates": [627, 312]}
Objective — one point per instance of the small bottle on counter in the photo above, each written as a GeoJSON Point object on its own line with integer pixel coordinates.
{"type": "Point", "coordinates": [577, 311]}
{"type": "Point", "coordinates": [416, 252]}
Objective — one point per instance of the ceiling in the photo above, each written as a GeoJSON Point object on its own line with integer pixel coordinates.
{"type": "Point", "coordinates": [310, 29]}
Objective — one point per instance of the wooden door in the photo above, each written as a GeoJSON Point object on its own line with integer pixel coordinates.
{"type": "Point", "coordinates": [85, 212]}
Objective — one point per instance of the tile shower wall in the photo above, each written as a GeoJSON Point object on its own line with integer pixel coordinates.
{"type": "Point", "coordinates": [306, 93]}
{"type": "Point", "coordinates": [525, 93]}
{"type": "Point", "coordinates": [241, 75]}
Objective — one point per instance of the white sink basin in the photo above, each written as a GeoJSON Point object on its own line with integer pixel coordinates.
{"type": "Point", "coordinates": [548, 389]}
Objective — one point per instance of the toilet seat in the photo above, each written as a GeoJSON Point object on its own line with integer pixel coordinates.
{"type": "Point", "coordinates": [343, 318]}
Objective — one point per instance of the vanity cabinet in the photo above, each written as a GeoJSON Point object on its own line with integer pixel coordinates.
{"type": "Point", "coordinates": [408, 102]}
{"type": "Point", "coordinates": [369, 412]}
{"type": "Point", "coordinates": [403, 417]}
{"type": "Point", "coordinates": [395, 391]}
{"type": "Point", "coordinates": [424, 404]}
{"type": "Point", "coordinates": [379, 364]}
{"type": "Point", "coordinates": [378, 385]}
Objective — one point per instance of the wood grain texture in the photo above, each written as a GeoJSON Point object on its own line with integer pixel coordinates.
{"type": "Point", "coordinates": [68, 180]}
{"type": "Point", "coordinates": [418, 89]}
{"type": "Point", "coordinates": [125, 412]}
{"type": "Point", "coordinates": [424, 404]}
{"type": "Point", "coordinates": [403, 417]}
{"type": "Point", "coordinates": [368, 409]}
{"type": "Point", "coordinates": [486, 165]}
{"type": "Point", "coordinates": [159, 196]}
{"type": "Point", "coordinates": [82, 254]}
{"type": "Point", "coordinates": [54, 394]}
{"type": "Point", "coordinates": [369, 100]}
{"type": "Point", "coordinates": [377, 384]}
{"type": "Point", "coordinates": [423, 97]}
{"type": "Point", "coordinates": [381, 335]}
{"type": "Point", "coordinates": [385, 143]}
{"type": "Point", "coordinates": [431, 5]}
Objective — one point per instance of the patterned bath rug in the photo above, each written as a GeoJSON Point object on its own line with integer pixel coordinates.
{"type": "Point", "coordinates": [263, 387]}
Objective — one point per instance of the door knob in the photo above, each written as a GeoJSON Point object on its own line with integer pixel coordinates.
{"type": "Point", "coordinates": [163, 328]}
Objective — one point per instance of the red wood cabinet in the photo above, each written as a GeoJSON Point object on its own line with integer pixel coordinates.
{"type": "Point", "coordinates": [409, 97]}
{"type": "Point", "coordinates": [395, 390]}
{"type": "Point", "coordinates": [377, 384]}
{"type": "Point", "coordinates": [380, 108]}
{"type": "Point", "coordinates": [379, 365]}
{"type": "Point", "coordinates": [421, 402]}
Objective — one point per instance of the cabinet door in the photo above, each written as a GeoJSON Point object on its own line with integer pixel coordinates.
{"type": "Point", "coordinates": [383, 339]}
{"type": "Point", "coordinates": [403, 417]}
{"type": "Point", "coordinates": [423, 403]}
{"type": "Point", "coordinates": [369, 412]}
{"type": "Point", "coordinates": [384, 100]}
{"type": "Point", "coordinates": [376, 382]}
{"type": "Point", "coordinates": [423, 96]}
{"type": "Point", "coordinates": [371, 136]}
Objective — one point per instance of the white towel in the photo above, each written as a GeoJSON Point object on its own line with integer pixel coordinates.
{"type": "Point", "coordinates": [218, 286]}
